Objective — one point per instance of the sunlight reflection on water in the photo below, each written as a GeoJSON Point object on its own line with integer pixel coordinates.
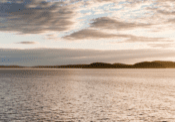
{"type": "Point", "coordinates": [87, 95]}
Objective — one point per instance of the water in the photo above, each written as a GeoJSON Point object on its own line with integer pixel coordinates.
{"type": "Point", "coordinates": [86, 95]}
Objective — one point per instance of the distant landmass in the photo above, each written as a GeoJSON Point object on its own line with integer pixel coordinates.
{"type": "Point", "coordinates": [146, 64]}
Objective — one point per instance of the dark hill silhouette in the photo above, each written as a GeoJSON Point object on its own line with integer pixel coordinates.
{"type": "Point", "coordinates": [167, 64]}
{"type": "Point", "coordinates": [119, 65]}
{"type": "Point", "coordinates": [99, 65]}
{"type": "Point", "coordinates": [146, 64]}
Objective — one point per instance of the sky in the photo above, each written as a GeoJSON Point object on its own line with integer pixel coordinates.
{"type": "Point", "coordinates": [59, 32]}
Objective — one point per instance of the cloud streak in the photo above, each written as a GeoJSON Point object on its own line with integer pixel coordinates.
{"type": "Point", "coordinates": [27, 42]}
{"type": "Point", "coordinates": [89, 34]}
{"type": "Point", "coordinates": [96, 34]}
{"type": "Point", "coordinates": [109, 23]}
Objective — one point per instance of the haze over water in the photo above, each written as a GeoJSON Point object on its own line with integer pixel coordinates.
{"type": "Point", "coordinates": [87, 95]}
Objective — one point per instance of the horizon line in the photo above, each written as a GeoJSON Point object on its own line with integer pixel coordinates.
{"type": "Point", "coordinates": [87, 64]}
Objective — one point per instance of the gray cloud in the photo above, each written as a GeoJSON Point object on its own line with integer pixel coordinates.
{"type": "Point", "coordinates": [36, 17]}
{"type": "Point", "coordinates": [161, 45]}
{"type": "Point", "coordinates": [17, 1]}
{"type": "Point", "coordinates": [89, 34]}
{"type": "Point", "coordinates": [52, 37]}
{"type": "Point", "coordinates": [27, 42]}
{"type": "Point", "coordinates": [109, 23]}
{"type": "Point", "coordinates": [97, 34]}
{"type": "Point", "coordinates": [167, 13]}
{"type": "Point", "coordinates": [105, 24]}
{"type": "Point", "coordinates": [145, 39]}
{"type": "Point", "coordinates": [78, 56]}
{"type": "Point", "coordinates": [163, 11]}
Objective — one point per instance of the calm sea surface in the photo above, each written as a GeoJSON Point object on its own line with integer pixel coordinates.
{"type": "Point", "coordinates": [85, 95]}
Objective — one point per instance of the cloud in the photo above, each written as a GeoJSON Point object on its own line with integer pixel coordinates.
{"type": "Point", "coordinates": [97, 34]}
{"type": "Point", "coordinates": [163, 11]}
{"type": "Point", "coordinates": [37, 16]}
{"type": "Point", "coordinates": [109, 23]}
{"type": "Point", "coordinates": [27, 42]}
{"type": "Point", "coordinates": [143, 15]}
{"type": "Point", "coordinates": [89, 34]}
{"type": "Point", "coordinates": [145, 39]}
{"type": "Point", "coordinates": [40, 16]}
{"type": "Point", "coordinates": [17, 1]}
{"type": "Point", "coordinates": [162, 45]}
{"type": "Point", "coordinates": [52, 37]}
